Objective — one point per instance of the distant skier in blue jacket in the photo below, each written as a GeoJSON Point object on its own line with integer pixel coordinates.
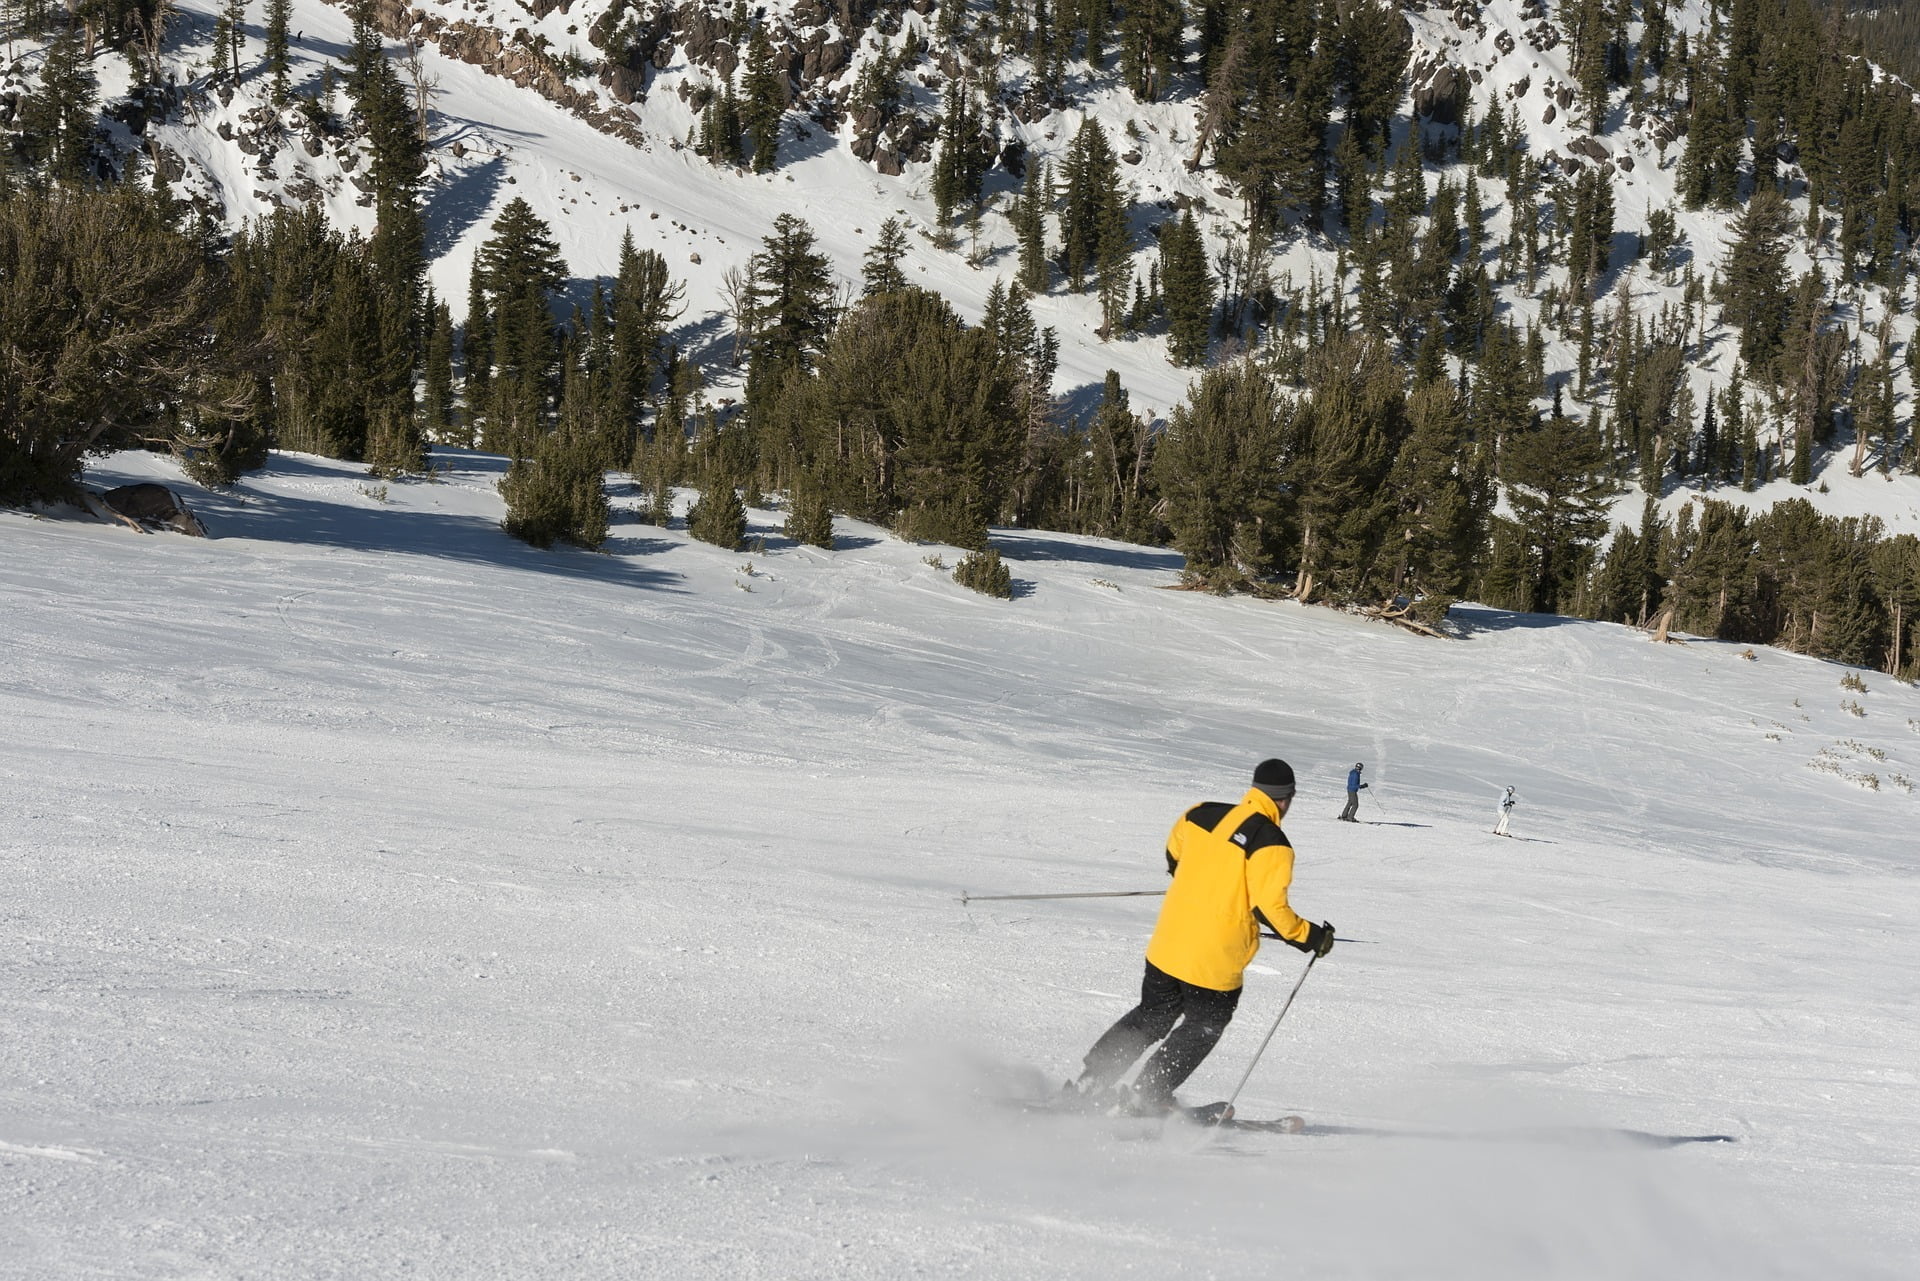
{"type": "Point", "coordinates": [1353, 794]}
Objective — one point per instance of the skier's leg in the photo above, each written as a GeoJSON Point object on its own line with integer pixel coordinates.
{"type": "Point", "coordinates": [1145, 1023]}
{"type": "Point", "coordinates": [1204, 1018]}
{"type": "Point", "coordinates": [1353, 804]}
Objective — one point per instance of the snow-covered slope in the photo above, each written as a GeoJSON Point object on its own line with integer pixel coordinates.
{"type": "Point", "coordinates": [385, 897]}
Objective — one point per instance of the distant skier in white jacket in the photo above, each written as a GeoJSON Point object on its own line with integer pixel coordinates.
{"type": "Point", "coordinates": [1506, 812]}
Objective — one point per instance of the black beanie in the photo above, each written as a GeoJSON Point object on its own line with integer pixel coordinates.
{"type": "Point", "coordinates": [1275, 778]}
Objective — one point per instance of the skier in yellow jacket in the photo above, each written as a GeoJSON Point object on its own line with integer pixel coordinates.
{"type": "Point", "coordinates": [1231, 866]}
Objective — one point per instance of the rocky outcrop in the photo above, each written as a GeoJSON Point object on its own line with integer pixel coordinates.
{"type": "Point", "coordinates": [1436, 86]}
{"type": "Point", "coordinates": [516, 58]}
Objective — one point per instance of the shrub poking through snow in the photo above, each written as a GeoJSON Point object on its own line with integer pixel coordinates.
{"type": "Point", "coordinates": [557, 495]}
{"type": "Point", "coordinates": [983, 571]}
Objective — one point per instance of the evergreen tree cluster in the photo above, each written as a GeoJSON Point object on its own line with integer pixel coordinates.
{"type": "Point", "coordinates": [1349, 442]}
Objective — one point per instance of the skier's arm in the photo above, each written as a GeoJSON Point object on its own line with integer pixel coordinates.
{"type": "Point", "coordinates": [1269, 874]}
{"type": "Point", "coordinates": [1173, 844]}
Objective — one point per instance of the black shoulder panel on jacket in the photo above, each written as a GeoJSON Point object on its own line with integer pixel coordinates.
{"type": "Point", "coordinates": [1207, 816]}
{"type": "Point", "coordinates": [1257, 832]}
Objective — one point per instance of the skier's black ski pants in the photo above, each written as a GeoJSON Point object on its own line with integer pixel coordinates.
{"type": "Point", "coordinates": [1202, 1015]}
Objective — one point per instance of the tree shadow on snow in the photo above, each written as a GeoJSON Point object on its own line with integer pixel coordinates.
{"type": "Point", "coordinates": [1023, 544]}
{"type": "Point", "coordinates": [293, 519]}
{"type": "Point", "coordinates": [1485, 618]}
{"type": "Point", "coordinates": [459, 203]}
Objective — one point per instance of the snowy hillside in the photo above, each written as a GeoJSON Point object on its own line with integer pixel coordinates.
{"type": "Point", "coordinates": [532, 102]}
{"type": "Point", "coordinates": [386, 897]}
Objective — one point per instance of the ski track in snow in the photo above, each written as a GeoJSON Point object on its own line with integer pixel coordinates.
{"type": "Point", "coordinates": [385, 896]}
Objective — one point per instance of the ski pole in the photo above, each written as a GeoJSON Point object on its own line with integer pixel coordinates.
{"type": "Point", "coordinates": [1281, 938]}
{"type": "Point", "coordinates": [1247, 1075]}
{"type": "Point", "coordinates": [978, 898]}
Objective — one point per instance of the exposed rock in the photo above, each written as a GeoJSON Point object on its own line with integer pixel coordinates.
{"type": "Point", "coordinates": [1521, 86]}
{"type": "Point", "coordinates": [1434, 87]}
{"type": "Point", "coordinates": [167, 161]}
{"type": "Point", "coordinates": [1546, 117]}
{"type": "Point", "coordinates": [519, 62]}
{"type": "Point", "coordinates": [1503, 41]}
{"type": "Point", "coordinates": [694, 259]}
{"type": "Point", "coordinates": [625, 84]}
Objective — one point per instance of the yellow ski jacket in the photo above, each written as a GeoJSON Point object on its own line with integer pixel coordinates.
{"type": "Point", "coordinates": [1231, 867]}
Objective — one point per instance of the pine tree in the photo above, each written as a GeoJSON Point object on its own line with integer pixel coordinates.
{"type": "Point", "coordinates": [1093, 214]}
{"type": "Point", "coordinates": [235, 12]}
{"type": "Point", "coordinates": [222, 47]}
{"type": "Point", "coordinates": [115, 348]}
{"type": "Point", "coordinates": [1188, 290]}
{"type": "Point", "coordinates": [881, 273]}
{"type": "Point", "coordinates": [764, 101]}
{"type": "Point", "coordinates": [1218, 471]}
{"type": "Point", "coordinates": [809, 518]}
{"type": "Point", "coordinates": [277, 61]}
{"type": "Point", "coordinates": [1341, 445]}
{"type": "Point", "coordinates": [718, 516]}
{"type": "Point", "coordinates": [57, 117]}
{"type": "Point", "coordinates": [914, 420]}
{"type": "Point", "coordinates": [646, 300]}
{"type": "Point", "coordinates": [1036, 201]}
{"type": "Point", "coordinates": [1150, 37]}
{"type": "Point", "coordinates": [792, 298]}
{"type": "Point", "coordinates": [1756, 276]}
{"type": "Point", "coordinates": [436, 400]}
{"type": "Point", "coordinates": [517, 267]}
{"type": "Point", "coordinates": [1120, 481]}
{"type": "Point", "coordinates": [1555, 478]}
{"type": "Point", "coordinates": [1442, 502]}
{"type": "Point", "coordinates": [959, 165]}
{"type": "Point", "coordinates": [476, 346]}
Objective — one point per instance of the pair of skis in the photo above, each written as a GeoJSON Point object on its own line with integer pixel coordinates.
{"type": "Point", "coordinates": [1217, 1116]}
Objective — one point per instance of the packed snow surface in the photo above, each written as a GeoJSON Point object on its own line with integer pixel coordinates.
{"type": "Point", "coordinates": [384, 897]}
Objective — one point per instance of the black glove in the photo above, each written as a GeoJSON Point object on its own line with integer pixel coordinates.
{"type": "Point", "coordinates": [1319, 938]}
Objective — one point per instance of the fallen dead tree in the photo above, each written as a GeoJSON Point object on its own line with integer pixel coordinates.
{"type": "Point", "coordinates": [1402, 616]}
{"type": "Point", "coordinates": [143, 507]}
